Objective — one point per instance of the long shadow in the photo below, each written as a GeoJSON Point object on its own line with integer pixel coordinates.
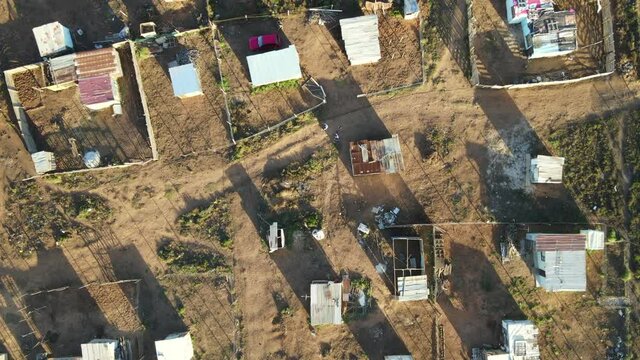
{"type": "Point", "coordinates": [450, 17]}
{"type": "Point", "coordinates": [317, 266]}
{"type": "Point", "coordinates": [57, 314]}
{"type": "Point", "coordinates": [154, 308]}
{"type": "Point", "coordinates": [502, 158]}
{"type": "Point", "coordinates": [477, 300]}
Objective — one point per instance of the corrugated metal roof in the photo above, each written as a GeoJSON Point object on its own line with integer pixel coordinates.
{"type": "Point", "coordinates": [564, 271]}
{"type": "Point", "coordinates": [360, 35]}
{"type": "Point", "coordinates": [63, 68]}
{"type": "Point", "coordinates": [185, 80]}
{"type": "Point", "coordinates": [412, 288]}
{"type": "Point", "coordinates": [521, 339]}
{"type": "Point", "coordinates": [43, 161]}
{"type": "Point", "coordinates": [561, 242]}
{"type": "Point", "coordinates": [595, 239]}
{"type": "Point", "coordinates": [326, 303]}
{"type": "Point", "coordinates": [99, 349]}
{"type": "Point", "coordinates": [410, 7]}
{"type": "Point", "coordinates": [376, 156]}
{"type": "Point", "coordinates": [175, 347]}
{"type": "Point", "coordinates": [96, 90]}
{"type": "Point", "coordinates": [547, 169]}
{"type": "Point", "coordinates": [398, 357]}
{"type": "Point", "coordinates": [52, 38]}
{"type": "Point", "coordinates": [97, 62]}
{"type": "Point", "coordinates": [274, 66]}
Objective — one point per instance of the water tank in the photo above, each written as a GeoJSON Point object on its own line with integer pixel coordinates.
{"type": "Point", "coordinates": [91, 159]}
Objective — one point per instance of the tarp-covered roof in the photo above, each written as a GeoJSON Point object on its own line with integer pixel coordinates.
{"type": "Point", "coordinates": [360, 36]}
{"type": "Point", "coordinates": [185, 80]}
{"type": "Point", "coordinates": [326, 303]}
{"type": "Point", "coordinates": [96, 90]}
{"type": "Point", "coordinates": [175, 347]}
{"type": "Point", "coordinates": [52, 38]}
{"type": "Point", "coordinates": [274, 66]}
{"type": "Point", "coordinates": [547, 169]}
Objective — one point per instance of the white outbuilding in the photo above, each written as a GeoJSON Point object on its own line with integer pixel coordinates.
{"type": "Point", "coordinates": [361, 39]}
{"type": "Point", "coordinates": [326, 303]}
{"type": "Point", "coordinates": [274, 66]}
{"type": "Point", "coordinates": [52, 39]}
{"type": "Point", "coordinates": [185, 81]}
{"type": "Point", "coordinates": [176, 346]}
{"type": "Point", "coordinates": [546, 169]}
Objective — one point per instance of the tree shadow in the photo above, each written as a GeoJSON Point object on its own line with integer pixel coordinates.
{"type": "Point", "coordinates": [502, 159]}
{"type": "Point", "coordinates": [305, 250]}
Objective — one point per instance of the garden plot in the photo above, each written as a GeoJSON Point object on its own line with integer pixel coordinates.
{"type": "Point", "coordinates": [185, 125]}
{"type": "Point", "coordinates": [499, 47]}
{"type": "Point", "coordinates": [257, 108]}
{"type": "Point", "coordinates": [401, 58]}
{"type": "Point", "coordinates": [63, 125]}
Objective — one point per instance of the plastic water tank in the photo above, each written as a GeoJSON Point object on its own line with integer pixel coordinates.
{"type": "Point", "coordinates": [91, 159]}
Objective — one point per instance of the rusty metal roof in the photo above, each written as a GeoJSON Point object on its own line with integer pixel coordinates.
{"type": "Point", "coordinates": [376, 156]}
{"type": "Point", "coordinates": [97, 62]}
{"type": "Point", "coordinates": [560, 242]}
{"type": "Point", "coordinates": [95, 90]}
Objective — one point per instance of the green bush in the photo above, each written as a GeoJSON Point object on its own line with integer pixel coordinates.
{"type": "Point", "coordinates": [210, 222]}
{"type": "Point", "coordinates": [283, 85]}
{"type": "Point", "coordinates": [184, 259]}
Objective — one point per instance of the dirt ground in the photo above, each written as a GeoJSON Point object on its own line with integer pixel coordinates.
{"type": "Point", "coordinates": [62, 117]}
{"type": "Point", "coordinates": [194, 124]}
{"type": "Point", "coordinates": [478, 178]}
{"type": "Point", "coordinates": [168, 15]}
{"type": "Point", "coordinates": [500, 54]}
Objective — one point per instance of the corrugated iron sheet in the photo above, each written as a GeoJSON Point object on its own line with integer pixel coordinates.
{"type": "Point", "coordinates": [326, 303]}
{"type": "Point", "coordinates": [175, 347]}
{"type": "Point", "coordinates": [99, 349]}
{"type": "Point", "coordinates": [63, 68]}
{"type": "Point", "coordinates": [564, 271]}
{"type": "Point", "coordinates": [360, 36]}
{"type": "Point", "coordinates": [274, 66]}
{"type": "Point", "coordinates": [97, 62]}
{"type": "Point", "coordinates": [376, 156]}
{"type": "Point", "coordinates": [52, 38]}
{"type": "Point", "coordinates": [595, 239]}
{"type": "Point", "coordinates": [95, 90]}
{"type": "Point", "coordinates": [547, 169]}
{"type": "Point", "coordinates": [560, 242]}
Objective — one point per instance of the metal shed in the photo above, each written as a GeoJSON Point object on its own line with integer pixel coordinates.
{"type": "Point", "coordinates": [176, 346]}
{"type": "Point", "coordinates": [274, 66]}
{"type": "Point", "coordinates": [409, 269]}
{"type": "Point", "coordinates": [63, 68]}
{"type": "Point", "coordinates": [521, 339]}
{"type": "Point", "coordinates": [44, 161]}
{"type": "Point", "coordinates": [98, 62]}
{"type": "Point", "coordinates": [560, 261]}
{"type": "Point", "coordinates": [326, 303]}
{"type": "Point", "coordinates": [52, 39]}
{"type": "Point", "coordinates": [97, 92]}
{"type": "Point", "coordinates": [411, 9]}
{"type": "Point", "coordinates": [595, 239]}
{"type": "Point", "coordinates": [376, 156]}
{"type": "Point", "coordinates": [185, 80]}
{"type": "Point", "coordinates": [547, 169]}
{"type": "Point", "coordinates": [100, 349]}
{"type": "Point", "coordinates": [361, 39]}
{"type": "Point", "coordinates": [398, 357]}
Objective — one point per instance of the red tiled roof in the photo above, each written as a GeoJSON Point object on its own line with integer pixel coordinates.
{"type": "Point", "coordinates": [96, 62]}
{"type": "Point", "coordinates": [95, 90]}
{"type": "Point", "coordinates": [560, 242]}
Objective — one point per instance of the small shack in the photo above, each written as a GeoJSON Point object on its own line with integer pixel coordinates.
{"type": "Point", "coordinates": [176, 346]}
{"type": "Point", "coordinates": [101, 349]}
{"type": "Point", "coordinates": [97, 72]}
{"type": "Point", "coordinates": [376, 156]}
{"type": "Point", "coordinates": [559, 261]}
{"type": "Point", "coordinates": [411, 9]}
{"type": "Point", "coordinates": [520, 342]}
{"type": "Point", "coordinates": [595, 239]}
{"type": "Point", "coordinates": [361, 39]}
{"type": "Point", "coordinates": [410, 278]}
{"type": "Point", "coordinates": [546, 169]}
{"type": "Point", "coordinates": [276, 238]}
{"type": "Point", "coordinates": [274, 66]}
{"type": "Point", "coordinates": [326, 303]}
{"type": "Point", "coordinates": [52, 39]}
{"type": "Point", "coordinates": [185, 80]}
{"type": "Point", "coordinates": [398, 357]}
{"type": "Point", "coordinates": [63, 69]}
{"type": "Point", "coordinates": [44, 162]}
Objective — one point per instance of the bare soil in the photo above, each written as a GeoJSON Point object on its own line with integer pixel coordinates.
{"type": "Point", "coordinates": [194, 124]}
{"type": "Point", "coordinates": [167, 15]}
{"type": "Point", "coordinates": [28, 84]}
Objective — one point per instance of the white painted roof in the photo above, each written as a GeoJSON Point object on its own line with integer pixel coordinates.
{"type": "Point", "coordinates": [595, 239]}
{"type": "Point", "coordinates": [547, 169]}
{"type": "Point", "coordinates": [43, 161]}
{"type": "Point", "coordinates": [360, 35]}
{"type": "Point", "coordinates": [52, 38]}
{"type": "Point", "coordinates": [99, 349]}
{"type": "Point", "coordinates": [185, 80]}
{"type": "Point", "coordinates": [274, 66]}
{"type": "Point", "coordinates": [326, 303]}
{"type": "Point", "coordinates": [175, 347]}
{"type": "Point", "coordinates": [521, 339]}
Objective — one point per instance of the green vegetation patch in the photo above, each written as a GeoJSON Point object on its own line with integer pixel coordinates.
{"type": "Point", "coordinates": [282, 85]}
{"type": "Point", "coordinates": [210, 222]}
{"type": "Point", "coordinates": [183, 258]}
